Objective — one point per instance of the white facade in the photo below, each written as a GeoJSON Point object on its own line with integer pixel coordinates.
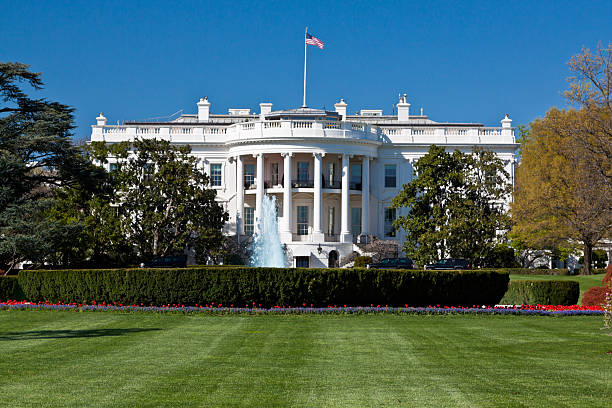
{"type": "Point", "coordinates": [344, 170]}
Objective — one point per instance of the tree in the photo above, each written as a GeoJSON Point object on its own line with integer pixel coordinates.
{"type": "Point", "coordinates": [36, 155]}
{"type": "Point", "coordinates": [455, 206]}
{"type": "Point", "coordinates": [561, 196]}
{"type": "Point", "coordinates": [162, 199]}
{"type": "Point", "coordinates": [591, 90]}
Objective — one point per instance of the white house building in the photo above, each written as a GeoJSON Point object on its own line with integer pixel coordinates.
{"type": "Point", "coordinates": [334, 175]}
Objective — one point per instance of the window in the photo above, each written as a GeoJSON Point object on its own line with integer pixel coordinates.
{"type": "Point", "coordinates": [330, 175]}
{"type": "Point", "coordinates": [249, 175]}
{"type": "Point", "coordinates": [389, 218]}
{"type": "Point", "coordinates": [302, 261]}
{"type": "Point", "coordinates": [249, 220]}
{"type": "Point", "coordinates": [302, 171]}
{"type": "Point", "coordinates": [113, 167]}
{"type": "Point", "coordinates": [274, 174]}
{"type": "Point", "coordinates": [148, 170]}
{"type": "Point", "coordinates": [302, 220]}
{"type": "Point", "coordinates": [390, 176]}
{"type": "Point", "coordinates": [356, 221]}
{"type": "Point", "coordinates": [215, 174]}
{"type": "Point", "coordinates": [355, 177]}
{"type": "Point", "coordinates": [331, 220]}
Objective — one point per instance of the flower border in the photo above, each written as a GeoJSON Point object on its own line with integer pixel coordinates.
{"type": "Point", "coordinates": [529, 310]}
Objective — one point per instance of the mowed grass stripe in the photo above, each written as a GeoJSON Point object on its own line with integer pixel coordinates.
{"type": "Point", "coordinates": [331, 361]}
{"type": "Point", "coordinates": [80, 369]}
{"type": "Point", "coordinates": [358, 362]}
{"type": "Point", "coordinates": [178, 363]}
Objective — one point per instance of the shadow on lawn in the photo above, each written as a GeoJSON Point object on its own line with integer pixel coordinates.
{"type": "Point", "coordinates": [68, 334]}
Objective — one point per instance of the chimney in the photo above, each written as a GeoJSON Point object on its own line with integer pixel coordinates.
{"type": "Point", "coordinates": [507, 128]}
{"type": "Point", "coordinates": [101, 120]}
{"type": "Point", "coordinates": [341, 108]}
{"type": "Point", "coordinates": [203, 110]}
{"type": "Point", "coordinates": [264, 108]}
{"type": "Point", "coordinates": [506, 122]}
{"type": "Point", "coordinates": [403, 109]}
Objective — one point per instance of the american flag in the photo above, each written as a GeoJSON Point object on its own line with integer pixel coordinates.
{"type": "Point", "coordinates": [312, 40]}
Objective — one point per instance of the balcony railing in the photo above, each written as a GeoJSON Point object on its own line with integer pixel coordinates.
{"type": "Point", "coordinates": [273, 183]}
{"type": "Point", "coordinates": [302, 183]}
{"type": "Point", "coordinates": [327, 183]}
{"type": "Point", "coordinates": [355, 185]}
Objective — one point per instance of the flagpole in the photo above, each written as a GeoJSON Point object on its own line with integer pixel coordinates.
{"type": "Point", "coordinates": [304, 100]}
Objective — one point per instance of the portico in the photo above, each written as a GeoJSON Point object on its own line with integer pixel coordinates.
{"type": "Point", "coordinates": [311, 190]}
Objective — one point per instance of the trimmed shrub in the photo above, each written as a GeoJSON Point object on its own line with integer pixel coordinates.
{"type": "Point", "coordinates": [362, 261]}
{"type": "Point", "coordinates": [542, 292]}
{"type": "Point", "coordinates": [9, 288]}
{"type": "Point", "coordinates": [267, 287]}
{"type": "Point", "coordinates": [595, 296]}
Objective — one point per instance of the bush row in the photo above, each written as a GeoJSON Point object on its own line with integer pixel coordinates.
{"type": "Point", "coordinates": [10, 289]}
{"type": "Point", "coordinates": [266, 286]}
{"type": "Point", "coordinates": [542, 292]}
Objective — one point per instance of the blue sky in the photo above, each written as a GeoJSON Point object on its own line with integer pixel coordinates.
{"type": "Point", "coordinates": [461, 61]}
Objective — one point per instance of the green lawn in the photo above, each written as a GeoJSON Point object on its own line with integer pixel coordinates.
{"type": "Point", "coordinates": [68, 359]}
{"type": "Point", "coordinates": [586, 281]}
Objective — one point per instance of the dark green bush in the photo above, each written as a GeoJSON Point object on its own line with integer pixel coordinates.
{"type": "Point", "coordinates": [266, 286]}
{"type": "Point", "coordinates": [362, 261]}
{"type": "Point", "coordinates": [9, 289]}
{"type": "Point", "coordinates": [542, 292]}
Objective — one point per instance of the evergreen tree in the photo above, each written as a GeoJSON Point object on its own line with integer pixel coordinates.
{"type": "Point", "coordinates": [36, 155]}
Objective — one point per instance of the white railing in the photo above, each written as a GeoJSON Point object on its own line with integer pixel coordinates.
{"type": "Point", "coordinates": [247, 126]}
{"type": "Point", "coordinates": [391, 132]}
{"type": "Point", "coordinates": [309, 128]}
{"type": "Point", "coordinates": [490, 132]}
{"type": "Point", "coordinates": [302, 124]}
{"type": "Point", "coordinates": [423, 131]}
{"type": "Point", "coordinates": [215, 131]}
{"type": "Point", "coordinates": [181, 130]}
{"type": "Point", "coordinates": [148, 131]}
{"type": "Point", "coordinates": [455, 131]}
{"type": "Point", "coordinates": [114, 129]}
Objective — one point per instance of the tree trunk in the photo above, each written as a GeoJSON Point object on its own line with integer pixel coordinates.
{"type": "Point", "coordinates": [588, 252]}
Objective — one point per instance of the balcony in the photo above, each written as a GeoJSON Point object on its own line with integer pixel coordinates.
{"type": "Point", "coordinates": [336, 183]}
{"type": "Point", "coordinates": [302, 183]}
{"type": "Point", "coordinates": [274, 183]}
{"type": "Point", "coordinates": [355, 185]}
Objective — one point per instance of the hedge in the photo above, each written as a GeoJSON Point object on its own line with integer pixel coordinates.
{"type": "Point", "coordinates": [9, 289]}
{"type": "Point", "coordinates": [542, 292]}
{"type": "Point", "coordinates": [267, 287]}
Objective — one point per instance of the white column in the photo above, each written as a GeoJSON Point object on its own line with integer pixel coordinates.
{"type": "Point", "coordinates": [365, 195]}
{"type": "Point", "coordinates": [317, 233]}
{"type": "Point", "coordinates": [239, 195]}
{"type": "Point", "coordinates": [287, 204]}
{"type": "Point", "coordinates": [259, 192]}
{"type": "Point", "coordinates": [345, 233]}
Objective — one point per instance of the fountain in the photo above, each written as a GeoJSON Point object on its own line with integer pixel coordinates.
{"type": "Point", "coordinates": [266, 247]}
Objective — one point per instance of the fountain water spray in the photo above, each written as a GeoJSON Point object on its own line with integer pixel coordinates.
{"type": "Point", "coordinates": [266, 247]}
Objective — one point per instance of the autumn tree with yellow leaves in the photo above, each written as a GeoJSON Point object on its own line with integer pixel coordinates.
{"type": "Point", "coordinates": [563, 191]}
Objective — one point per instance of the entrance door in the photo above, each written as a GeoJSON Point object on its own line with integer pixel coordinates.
{"type": "Point", "coordinates": [333, 259]}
